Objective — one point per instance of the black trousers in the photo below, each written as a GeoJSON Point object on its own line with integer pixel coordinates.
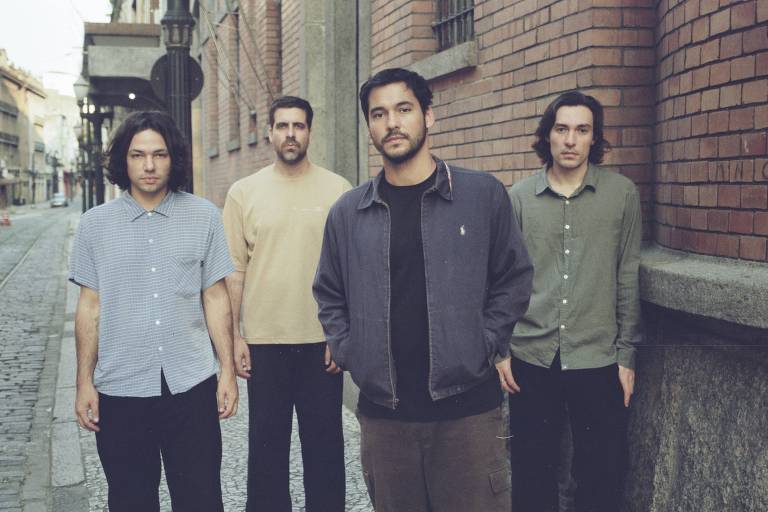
{"type": "Point", "coordinates": [182, 428]}
{"type": "Point", "coordinates": [284, 376]}
{"type": "Point", "coordinates": [593, 400]}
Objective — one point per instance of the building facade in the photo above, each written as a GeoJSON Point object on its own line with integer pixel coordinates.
{"type": "Point", "coordinates": [685, 86]}
{"type": "Point", "coordinates": [23, 174]}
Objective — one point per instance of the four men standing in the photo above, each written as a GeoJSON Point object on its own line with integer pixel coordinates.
{"type": "Point", "coordinates": [274, 222]}
{"type": "Point", "coordinates": [423, 278]}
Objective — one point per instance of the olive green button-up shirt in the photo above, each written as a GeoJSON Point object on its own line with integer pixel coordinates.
{"type": "Point", "coordinates": [585, 251]}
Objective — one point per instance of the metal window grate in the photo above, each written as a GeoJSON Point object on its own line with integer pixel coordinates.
{"type": "Point", "coordinates": [455, 22]}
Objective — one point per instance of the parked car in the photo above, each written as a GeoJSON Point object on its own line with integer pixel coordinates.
{"type": "Point", "coordinates": [59, 199]}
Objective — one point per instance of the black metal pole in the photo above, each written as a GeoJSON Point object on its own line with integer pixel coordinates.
{"type": "Point", "coordinates": [177, 30]}
{"type": "Point", "coordinates": [98, 117]}
{"type": "Point", "coordinates": [89, 163]}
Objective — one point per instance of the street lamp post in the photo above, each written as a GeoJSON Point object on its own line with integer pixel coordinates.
{"type": "Point", "coordinates": [177, 32]}
{"type": "Point", "coordinates": [94, 116]}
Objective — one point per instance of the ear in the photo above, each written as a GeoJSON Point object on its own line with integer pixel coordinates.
{"type": "Point", "coordinates": [269, 135]}
{"type": "Point", "coordinates": [429, 117]}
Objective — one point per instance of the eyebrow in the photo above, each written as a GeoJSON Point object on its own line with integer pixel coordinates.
{"type": "Point", "coordinates": [583, 125]}
{"type": "Point", "coordinates": [400, 104]}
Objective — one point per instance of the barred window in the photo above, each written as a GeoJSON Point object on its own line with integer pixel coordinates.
{"type": "Point", "coordinates": [455, 22]}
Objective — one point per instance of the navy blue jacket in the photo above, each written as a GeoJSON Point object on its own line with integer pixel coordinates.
{"type": "Point", "coordinates": [478, 278]}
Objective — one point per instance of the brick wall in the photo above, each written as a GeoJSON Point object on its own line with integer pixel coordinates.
{"type": "Point", "coordinates": [292, 16]}
{"type": "Point", "coordinates": [235, 146]}
{"type": "Point", "coordinates": [529, 52]}
{"type": "Point", "coordinates": [712, 171]}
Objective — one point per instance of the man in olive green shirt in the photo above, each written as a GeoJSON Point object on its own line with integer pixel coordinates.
{"type": "Point", "coordinates": [574, 350]}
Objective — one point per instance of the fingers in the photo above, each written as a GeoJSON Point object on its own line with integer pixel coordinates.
{"type": "Point", "coordinates": [627, 396]}
{"type": "Point", "coordinates": [242, 359]}
{"type": "Point", "coordinates": [87, 414]}
{"type": "Point", "coordinates": [332, 368]}
{"type": "Point", "coordinates": [227, 401]}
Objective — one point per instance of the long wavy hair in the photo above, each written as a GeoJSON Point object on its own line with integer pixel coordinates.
{"type": "Point", "coordinates": [571, 99]}
{"type": "Point", "coordinates": [116, 156]}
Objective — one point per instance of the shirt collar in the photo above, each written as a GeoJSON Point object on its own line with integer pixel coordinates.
{"type": "Point", "coordinates": [134, 210]}
{"type": "Point", "coordinates": [443, 185]}
{"type": "Point", "coordinates": [590, 181]}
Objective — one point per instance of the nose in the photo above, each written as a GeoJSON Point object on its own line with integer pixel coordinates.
{"type": "Point", "coordinates": [393, 121]}
{"type": "Point", "coordinates": [570, 139]}
{"type": "Point", "coordinates": [291, 131]}
{"type": "Point", "coordinates": [149, 163]}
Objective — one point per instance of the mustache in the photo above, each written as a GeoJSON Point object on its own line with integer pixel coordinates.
{"type": "Point", "coordinates": [394, 133]}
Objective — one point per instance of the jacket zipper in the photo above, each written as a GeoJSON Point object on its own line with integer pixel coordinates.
{"type": "Point", "coordinates": [426, 291]}
{"type": "Point", "coordinates": [392, 376]}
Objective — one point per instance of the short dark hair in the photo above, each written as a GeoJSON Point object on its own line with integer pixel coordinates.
{"type": "Point", "coordinates": [571, 99]}
{"type": "Point", "coordinates": [291, 102]}
{"type": "Point", "coordinates": [414, 81]}
{"type": "Point", "coordinates": [116, 156]}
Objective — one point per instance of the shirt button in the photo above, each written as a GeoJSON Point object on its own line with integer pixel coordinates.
{"type": "Point", "coordinates": [562, 327]}
{"type": "Point", "coordinates": [157, 322]}
{"type": "Point", "coordinates": [567, 202]}
{"type": "Point", "coordinates": [154, 295]}
{"type": "Point", "coordinates": [149, 214]}
{"type": "Point", "coordinates": [565, 301]}
{"type": "Point", "coordinates": [567, 251]}
{"type": "Point", "coordinates": [565, 276]}
{"type": "Point", "coordinates": [150, 240]}
{"type": "Point", "coordinates": [153, 269]}
{"type": "Point", "coordinates": [159, 349]}
{"type": "Point", "coordinates": [567, 226]}
{"type": "Point", "coordinates": [565, 367]}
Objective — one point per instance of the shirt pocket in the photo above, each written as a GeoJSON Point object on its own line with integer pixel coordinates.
{"type": "Point", "coordinates": [187, 276]}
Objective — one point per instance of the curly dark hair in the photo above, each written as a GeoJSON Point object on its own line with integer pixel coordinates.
{"type": "Point", "coordinates": [414, 81]}
{"type": "Point", "coordinates": [571, 99]}
{"type": "Point", "coordinates": [291, 102]}
{"type": "Point", "coordinates": [116, 156]}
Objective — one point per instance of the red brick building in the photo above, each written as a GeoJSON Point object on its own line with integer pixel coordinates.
{"type": "Point", "coordinates": [685, 87]}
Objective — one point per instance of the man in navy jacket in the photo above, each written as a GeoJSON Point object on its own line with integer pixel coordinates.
{"type": "Point", "coordinates": [422, 276]}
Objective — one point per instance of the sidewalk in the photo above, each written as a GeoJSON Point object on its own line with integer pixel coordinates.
{"type": "Point", "coordinates": [78, 480]}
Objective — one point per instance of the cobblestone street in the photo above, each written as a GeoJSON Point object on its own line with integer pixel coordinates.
{"type": "Point", "coordinates": [32, 286]}
{"type": "Point", "coordinates": [46, 461]}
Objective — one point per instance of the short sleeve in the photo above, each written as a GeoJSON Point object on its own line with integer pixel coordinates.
{"type": "Point", "coordinates": [217, 263]}
{"type": "Point", "coordinates": [82, 267]}
{"type": "Point", "coordinates": [233, 228]}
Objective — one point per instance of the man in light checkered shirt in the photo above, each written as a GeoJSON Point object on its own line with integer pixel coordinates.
{"type": "Point", "coordinates": [153, 309]}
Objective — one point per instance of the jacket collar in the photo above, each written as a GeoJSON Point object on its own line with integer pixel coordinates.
{"type": "Point", "coordinates": [443, 185]}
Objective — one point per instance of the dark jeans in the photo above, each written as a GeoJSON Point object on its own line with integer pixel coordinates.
{"type": "Point", "coordinates": [183, 428]}
{"type": "Point", "coordinates": [284, 376]}
{"type": "Point", "coordinates": [593, 399]}
{"type": "Point", "coordinates": [443, 466]}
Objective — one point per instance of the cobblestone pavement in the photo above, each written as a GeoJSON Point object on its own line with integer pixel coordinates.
{"type": "Point", "coordinates": [32, 266]}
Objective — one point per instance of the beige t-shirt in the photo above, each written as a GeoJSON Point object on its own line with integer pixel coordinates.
{"type": "Point", "coordinates": [274, 226]}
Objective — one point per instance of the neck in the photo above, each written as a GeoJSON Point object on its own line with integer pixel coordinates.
{"type": "Point", "coordinates": [292, 170]}
{"type": "Point", "coordinates": [564, 180]}
{"type": "Point", "coordinates": [410, 172]}
{"type": "Point", "coordinates": [148, 201]}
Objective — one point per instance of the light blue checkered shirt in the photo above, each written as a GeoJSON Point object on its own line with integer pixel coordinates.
{"type": "Point", "coordinates": [149, 269]}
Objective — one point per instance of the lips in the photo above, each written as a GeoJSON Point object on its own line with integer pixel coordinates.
{"type": "Point", "coordinates": [393, 138]}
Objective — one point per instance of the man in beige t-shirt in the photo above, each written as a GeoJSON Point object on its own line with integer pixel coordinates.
{"type": "Point", "coordinates": [274, 222]}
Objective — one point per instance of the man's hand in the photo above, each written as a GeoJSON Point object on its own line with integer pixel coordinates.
{"type": "Point", "coordinates": [330, 365]}
{"type": "Point", "coordinates": [627, 379]}
{"type": "Point", "coordinates": [242, 357]}
{"type": "Point", "coordinates": [226, 395]}
{"type": "Point", "coordinates": [508, 383]}
{"type": "Point", "coordinates": [87, 407]}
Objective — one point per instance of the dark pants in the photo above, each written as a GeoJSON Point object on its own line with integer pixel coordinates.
{"type": "Point", "coordinates": [183, 428]}
{"type": "Point", "coordinates": [442, 466]}
{"type": "Point", "coordinates": [284, 376]}
{"type": "Point", "coordinates": [593, 400]}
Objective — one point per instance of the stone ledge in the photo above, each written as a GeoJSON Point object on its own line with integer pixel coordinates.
{"type": "Point", "coordinates": [724, 289]}
{"type": "Point", "coordinates": [448, 61]}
